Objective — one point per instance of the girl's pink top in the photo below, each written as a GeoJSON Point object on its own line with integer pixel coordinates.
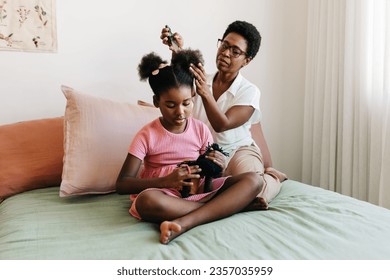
{"type": "Point", "coordinates": [161, 150]}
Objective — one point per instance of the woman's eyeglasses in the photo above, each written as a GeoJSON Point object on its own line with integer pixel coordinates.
{"type": "Point", "coordinates": [233, 50]}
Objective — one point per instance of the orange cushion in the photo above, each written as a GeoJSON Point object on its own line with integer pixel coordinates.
{"type": "Point", "coordinates": [31, 155]}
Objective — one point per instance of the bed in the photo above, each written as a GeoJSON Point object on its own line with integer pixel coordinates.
{"type": "Point", "coordinates": [303, 222]}
{"type": "Point", "coordinates": [62, 205]}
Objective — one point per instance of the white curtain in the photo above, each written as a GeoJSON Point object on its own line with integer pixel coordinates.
{"type": "Point", "coordinates": [347, 98]}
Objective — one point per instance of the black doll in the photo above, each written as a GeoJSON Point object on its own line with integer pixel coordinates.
{"type": "Point", "coordinates": [209, 168]}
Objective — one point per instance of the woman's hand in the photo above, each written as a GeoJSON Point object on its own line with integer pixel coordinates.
{"type": "Point", "coordinates": [200, 80]}
{"type": "Point", "coordinates": [218, 158]}
{"type": "Point", "coordinates": [176, 36]}
{"type": "Point", "coordinates": [177, 178]}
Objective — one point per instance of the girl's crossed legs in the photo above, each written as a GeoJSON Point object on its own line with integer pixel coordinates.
{"type": "Point", "coordinates": [177, 215]}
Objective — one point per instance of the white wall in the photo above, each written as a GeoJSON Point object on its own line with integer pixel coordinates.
{"type": "Point", "coordinates": [100, 44]}
{"type": "Point", "coordinates": [283, 83]}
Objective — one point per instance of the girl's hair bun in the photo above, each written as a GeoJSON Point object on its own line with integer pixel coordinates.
{"type": "Point", "coordinates": [184, 58]}
{"type": "Point", "coordinates": [162, 77]}
{"type": "Point", "coordinates": [148, 64]}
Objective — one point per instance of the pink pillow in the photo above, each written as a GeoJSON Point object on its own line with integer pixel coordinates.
{"type": "Point", "coordinates": [31, 155]}
{"type": "Point", "coordinates": [98, 133]}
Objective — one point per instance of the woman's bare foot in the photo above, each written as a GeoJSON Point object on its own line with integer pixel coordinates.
{"type": "Point", "coordinates": [259, 203]}
{"type": "Point", "coordinates": [169, 231]}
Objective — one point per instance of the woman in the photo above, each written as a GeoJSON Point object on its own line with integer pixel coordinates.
{"type": "Point", "coordinates": [229, 105]}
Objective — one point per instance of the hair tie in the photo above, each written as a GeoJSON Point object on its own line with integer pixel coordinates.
{"type": "Point", "coordinates": [162, 65]}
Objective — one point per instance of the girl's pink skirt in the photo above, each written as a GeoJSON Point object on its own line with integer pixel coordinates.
{"type": "Point", "coordinates": [202, 197]}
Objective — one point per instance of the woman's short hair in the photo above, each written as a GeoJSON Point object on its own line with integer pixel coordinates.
{"type": "Point", "coordinates": [249, 32]}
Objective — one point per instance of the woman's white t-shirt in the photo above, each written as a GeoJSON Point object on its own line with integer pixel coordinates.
{"type": "Point", "coordinates": [241, 93]}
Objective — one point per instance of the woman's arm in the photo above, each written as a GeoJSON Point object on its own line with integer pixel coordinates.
{"type": "Point", "coordinates": [258, 136]}
{"type": "Point", "coordinates": [220, 121]}
{"type": "Point", "coordinates": [234, 117]}
{"type": "Point", "coordinates": [128, 183]}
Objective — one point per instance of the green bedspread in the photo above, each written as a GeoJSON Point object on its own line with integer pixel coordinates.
{"type": "Point", "coordinates": [303, 222]}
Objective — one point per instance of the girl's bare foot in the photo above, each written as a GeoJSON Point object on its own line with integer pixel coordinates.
{"type": "Point", "coordinates": [168, 231]}
{"type": "Point", "coordinates": [259, 203]}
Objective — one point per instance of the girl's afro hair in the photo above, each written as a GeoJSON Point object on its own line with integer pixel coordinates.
{"type": "Point", "coordinates": [148, 64]}
{"type": "Point", "coordinates": [184, 58]}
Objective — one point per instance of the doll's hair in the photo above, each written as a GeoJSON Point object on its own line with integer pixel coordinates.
{"type": "Point", "coordinates": [249, 32]}
{"type": "Point", "coordinates": [162, 76]}
{"type": "Point", "coordinates": [209, 168]}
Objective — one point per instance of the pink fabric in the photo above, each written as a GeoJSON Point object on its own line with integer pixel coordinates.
{"type": "Point", "coordinates": [162, 150]}
{"type": "Point", "coordinates": [97, 133]}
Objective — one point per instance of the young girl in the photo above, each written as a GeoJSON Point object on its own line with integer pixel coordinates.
{"type": "Point", "coordinates": [169, 140]}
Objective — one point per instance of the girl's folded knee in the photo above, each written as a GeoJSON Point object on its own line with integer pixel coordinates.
{"type": "Point", "coordinates": [145, 202]}
{"type": "Point", "coordinates": [254, 180]}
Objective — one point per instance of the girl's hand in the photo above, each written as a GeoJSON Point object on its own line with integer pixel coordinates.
{"type": "Point", "coordinates": [218, 158]}
{"type": "Point", "coordinates": [176, 36]}
{"type": "Point", "coordinates": [178, 176]}
{"type": "Point", "coordinates": [200, 80]}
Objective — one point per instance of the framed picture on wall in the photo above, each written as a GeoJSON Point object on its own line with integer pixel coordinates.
{"type": "Point", "coordinates": [27, 25]}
